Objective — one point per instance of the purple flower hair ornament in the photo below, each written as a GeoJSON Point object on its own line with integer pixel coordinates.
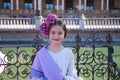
{"type": "Point", "coordinates": [47, 23]}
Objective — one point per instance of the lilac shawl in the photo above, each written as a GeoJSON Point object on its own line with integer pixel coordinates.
{"type": "Point", "coordinates": [45, 66]}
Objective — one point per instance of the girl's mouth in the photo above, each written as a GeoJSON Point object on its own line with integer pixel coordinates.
{"type": "Point", "coordinates": [56, 39]}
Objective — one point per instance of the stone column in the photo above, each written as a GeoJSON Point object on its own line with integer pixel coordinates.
{"type": "Point", "coordinates": [35, 7]}
{"type": "Point", "coordinates": [57, 4]}
{"type": "Point", "coordinates": [38, 17]}
{"type": "Point", "coordinates": [79, 4]}
{"type": "Point", "coordinates": [107, 4]}
{"type": "Point", "coordinates": [85, 2]}
{"type": "Point", "coordinates": [63, 5]}
{"type": "Point", "coordinates": [17, 4]}
{"type": "Point", "coordinates": [102, 4]}
{"type": "Point", "coordinates": [38, 21]}
{"type": "Point", "coordinates": [11, 4]}
{"type": "Point", "coordinates": [40, 6]}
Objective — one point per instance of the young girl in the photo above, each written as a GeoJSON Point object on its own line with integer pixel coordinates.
{"type": "Point", "coordinates": [54, 62]}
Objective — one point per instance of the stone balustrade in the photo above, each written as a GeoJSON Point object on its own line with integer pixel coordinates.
{"type": "Point", "coordinates": [72, 23]}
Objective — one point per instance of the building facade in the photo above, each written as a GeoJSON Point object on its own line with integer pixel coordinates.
{"type": "Point", "coordinates": [63, 8]}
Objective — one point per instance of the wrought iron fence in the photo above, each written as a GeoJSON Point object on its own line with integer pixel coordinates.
{"type": "Point", "coordinates": [89, 63]}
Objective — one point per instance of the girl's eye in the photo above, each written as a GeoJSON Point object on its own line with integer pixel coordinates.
{"type": "Point", "coordinates": [59, 33]}
{"type": "Point", "coordinates": [53, 32]}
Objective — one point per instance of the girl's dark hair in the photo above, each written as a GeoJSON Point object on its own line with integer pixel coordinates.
{"type": "Point", "coordinates": [60, 23]}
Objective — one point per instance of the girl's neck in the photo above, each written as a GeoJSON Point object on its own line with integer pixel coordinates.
{"type": "Point", "coordinates": [55, 48]}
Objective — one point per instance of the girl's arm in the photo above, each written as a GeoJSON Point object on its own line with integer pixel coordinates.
{"type": "Point", "coordinates": [72, 73]}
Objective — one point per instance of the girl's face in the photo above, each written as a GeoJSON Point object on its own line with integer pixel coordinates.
{"type": "Point", "coordinates": [56, 35]}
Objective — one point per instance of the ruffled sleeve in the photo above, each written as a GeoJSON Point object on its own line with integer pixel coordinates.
{"type": "Point", "coordinates": [71, 72]}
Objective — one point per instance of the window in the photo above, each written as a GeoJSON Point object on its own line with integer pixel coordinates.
{"type": "Point", "coordinates": [28, 4]}
{"type": "Point", "coordinates": [49, 4]}
{"type": "Point", "coordinates": [111, 4]}
{"type": "Point", "coordinates": [90, 4]}
{"type": "Point", "coordinates": [6, 4]}
{"type": "Point", "coordinates": [69, 4]}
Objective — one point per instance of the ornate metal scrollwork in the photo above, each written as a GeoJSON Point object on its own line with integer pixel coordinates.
{"type": "Point", "coordinates": [1, 78]}
{"type": "Point", "coordinates": [37, 42]}
{"type": "Point", "coordinates": [118, 76]}
{"type": "Point", "coordinates": [93, 39]}
{"type": "Point", "coordinates": [85, 71]}
{"type": "Point", "coordinates": [18, 63]}
{"type": "Point", "coordinates": [100, 56]}
{"type": "Point", "coordinates": [92, 62]}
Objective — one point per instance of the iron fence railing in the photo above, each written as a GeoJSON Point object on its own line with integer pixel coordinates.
{"type": "Point", "coordinates": [90, 63]}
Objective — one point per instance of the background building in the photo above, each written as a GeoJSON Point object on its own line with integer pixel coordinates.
{"type": "Point", "coordinates": [18, 20]}
{"type": "Point", "coordinates": [63, 8]}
